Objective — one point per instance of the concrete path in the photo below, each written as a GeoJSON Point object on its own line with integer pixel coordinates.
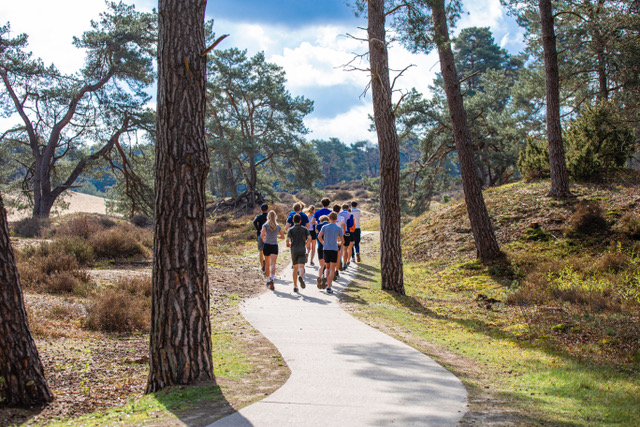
{"type": "Point", "coordinates": [343, 372]}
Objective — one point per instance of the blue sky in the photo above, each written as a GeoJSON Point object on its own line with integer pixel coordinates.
{"type": "Point", "coordinates": [305, 37]}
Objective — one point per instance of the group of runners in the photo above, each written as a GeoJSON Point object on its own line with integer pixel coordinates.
{"type": "Point", "coordinates": [334, 234]}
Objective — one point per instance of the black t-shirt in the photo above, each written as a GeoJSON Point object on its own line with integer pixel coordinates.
{"type": "Point", "coordinates": [259, 221]}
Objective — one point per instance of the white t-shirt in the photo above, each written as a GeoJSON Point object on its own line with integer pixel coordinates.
{"type": "Point", "coordinates": [356, 216]}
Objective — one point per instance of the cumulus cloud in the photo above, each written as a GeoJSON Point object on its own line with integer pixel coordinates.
{"type": "Point", "coordinates": [349, 127]}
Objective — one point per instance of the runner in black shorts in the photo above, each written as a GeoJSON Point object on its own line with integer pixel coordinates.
{"type": "Point", "coordinates": [311, 246]}
{"type": "Point", "coordinates": [322, 280]}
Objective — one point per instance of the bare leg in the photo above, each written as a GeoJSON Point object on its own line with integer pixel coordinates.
{"type": "Point", "coordinates": [295, 275]}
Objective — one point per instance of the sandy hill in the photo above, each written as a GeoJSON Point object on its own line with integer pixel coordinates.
{"type": "Point", "coordinates": [77, 202]}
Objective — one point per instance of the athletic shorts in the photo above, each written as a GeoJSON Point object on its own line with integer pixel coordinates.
{"type": "Point", "coordinates": [347, 239]}
{"type": "Point", "coordinates": [320, 252]}
{"type": "Point", "coordinates": [330, 256]}
{"type": "Point", "coordinates": [314, 235]}
{"type": "Point", "coordinates": [356, 235]}
{"type": "Point", "coordinates": [298, 258]}
{"type": "Point", "coordinates": [270, 249]}
{"type": "Point", "coordinates": [260, 244]}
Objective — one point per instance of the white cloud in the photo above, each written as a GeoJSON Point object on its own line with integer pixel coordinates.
{"type": "Point", "coordinates": [349, 127]}
{"type": "Point", "coordinates": [482, 13]}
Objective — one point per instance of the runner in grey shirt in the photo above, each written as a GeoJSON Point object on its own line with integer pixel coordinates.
{"type": "Point", "coordinates": [297, 238]}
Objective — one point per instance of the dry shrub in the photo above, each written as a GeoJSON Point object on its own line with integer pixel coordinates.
{"type": "Point", "coordinates": [362, 194]}
{"type": "Point", "coordinates": [124, 307]}
{"type": "Point", "coordinates": [612, 261]}
{"type": "Point", "coordinates": [29, 227]}
{"type": "Point", "coordinates": [630, 225]}
{"type": "Point", "coordinates": [82, 226]}
{"type": "Point", "coordinates": [77, 247]}
{"type": "Point", "coordinates": [587, 218]}
{"type": "Point", "coordinates": [117, 242]}
{"type": "Point", "coordinates": [142, 221]}
{"type": "Point", "coordinates": [342, 195]}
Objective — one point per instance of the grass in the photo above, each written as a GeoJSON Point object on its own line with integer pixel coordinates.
{"type": "Point", "coordinates": [511, 352]}
{"type": "Point", "coordinates": [158, 407]}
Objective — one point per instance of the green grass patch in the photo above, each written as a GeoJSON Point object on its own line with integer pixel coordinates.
{"type": "Point", "coordinates": [167, 404]}
{"type": "Point", "coordinates": [541, 371]}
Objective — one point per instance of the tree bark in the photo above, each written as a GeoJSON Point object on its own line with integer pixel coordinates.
{"type": "Point", "coordinates": [180, 344]}
{"type": "Point", "coordinates": [22, 381]}
{"type": "Point", "coordinates": [390, 249]}
{"type": "Point", "coordinates": [484, 237]}
{"type": "Point", "coordinates": [557, 163]}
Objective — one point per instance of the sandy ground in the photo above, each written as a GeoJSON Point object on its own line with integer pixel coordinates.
{"type": "Point", "coordinates": [78, 202]}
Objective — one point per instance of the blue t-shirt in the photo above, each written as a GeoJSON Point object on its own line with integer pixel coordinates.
{"type": "Point", "coordinates": [304, 219]}
{"type": "Point", "coordinates": [330, 234]}
{"type": "Point", "coordinates": [324, 211]}
{"type": "Point", "coordinates": [318, 227]}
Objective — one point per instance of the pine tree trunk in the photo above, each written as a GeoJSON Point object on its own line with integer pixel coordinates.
{"type": "Point", "coordinates": [180, 345]}
{"type": "Point", "coordinates": [557, 163]}
{"type": "Point", "coordinates": [390, 249]}
{"type": "Point", "coordinates": [22, 381]}
{"type": "Point", "coordinates": [484, 237]}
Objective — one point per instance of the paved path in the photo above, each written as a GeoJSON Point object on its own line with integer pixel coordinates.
{"type": "Point", "coordinates": [343, 372]}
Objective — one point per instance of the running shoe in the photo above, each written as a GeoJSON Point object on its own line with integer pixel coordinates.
{"type": "Point", "coordinates": [311, 264]}
{"type": "Point", "coordinates": [320, 282]}
{"type": "Point", "coordinates": [271, 285]}
{"type": "Point", "coordinates": [329, 290]}
{"type": "Point", "coordinates": [324, 282]}
{"type": "Point", "coordinates": [358, 257]}
{"type": "Point", "coordinates": [302, 284]}
{"type": "Point", "coordinates": [337, 275]}
{"type": "Point", "coordinates": [295, 289]}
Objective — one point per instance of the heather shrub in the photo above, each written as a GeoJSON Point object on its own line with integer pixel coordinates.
{"type": "Point", "coordinates": [124, 307]}
{"type": "Point", "coordinates": [629, 225]}
{"type": "Point", "coordinates": [77, 247]}
{"type": "Point", "coordinates": [587, 219]}
{"type": "Point", "coordinates": [117, 242]}
{"type": "Point", "coordinates": [82, 226]}
{"type": "Point", "coordinates": [142, 221]}
{"type": "Point", "coordinates": [342, 195]}
{"type": "Point", "coordinates": [29, 227]}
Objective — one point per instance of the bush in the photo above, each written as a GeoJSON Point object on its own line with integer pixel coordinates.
{"type": "Point", "coordinates": [597, 142]}
{"type": "Point", "coordinates": [533, 162]}
{"type": "Point", "coordinates": [142, 221]}
{"type": "Point", "coordinates": [76, 246]}
{"type": "Point", "coordinates": [80, 226]}
{"type": "Point", "coordinates": [113, 310]}
{"type": "Point", "coordinates": [587, 219]}
{"type": "Point", "coordinates": [118, 242]}
{"type": "Point", "coordinates": [629, 225]}
{"type": "Point", "coordinates": [122, 307]}
{"type": "Point", "coordinates": [29, 227]}
{"type": "Point", "coordinates": [342, 195]}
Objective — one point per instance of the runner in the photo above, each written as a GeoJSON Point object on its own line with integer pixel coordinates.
{"type": "Point", "coordinates": [297, 209]}
{"type": "Point", "coordinates": [346, 221]}
{"type": "Point", "coordinates": [271, 230]}
{"type": "Point", "coordinates": [258, 222]}
{"type": "Point", "coordinates": [322, 280]}
{"type": "Point", "coordinates": [324, 211]}
{"type": "Point", "coordinates": [311, 246]}
{"type": "Point", "coordinates": [297, 239]}
{"type": "Point", "coordinates": [357, 233]}
{"type": "Point", "coordinates": [337, 209]}
{"type": "Point", "coordinates": [330, 236]}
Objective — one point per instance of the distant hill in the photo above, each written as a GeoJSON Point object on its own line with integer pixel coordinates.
{"type": "Point", "coordinates": [78, 202]}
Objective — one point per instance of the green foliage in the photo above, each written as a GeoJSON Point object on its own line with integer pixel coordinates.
{"type": "Point", "coordinates": [597, 142]}
{"type": "Point", "coordinates": [255, 123]}
{"type": "Point", "coordinates": [533, 161]}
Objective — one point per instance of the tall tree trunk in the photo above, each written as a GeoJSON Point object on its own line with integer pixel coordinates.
{"type": "Point", "coordinates": [252, 182]}
{"type": "Point", "coordinates": [485, 240]}
{"type": "Point", "coordinates": [180, 345]}
{"type": "Point", "coordinates": [390, 250]}
{"type": "Point", "coordinates": [22, 377]}
{"type": "Point", "coordinates": [557, 163]}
